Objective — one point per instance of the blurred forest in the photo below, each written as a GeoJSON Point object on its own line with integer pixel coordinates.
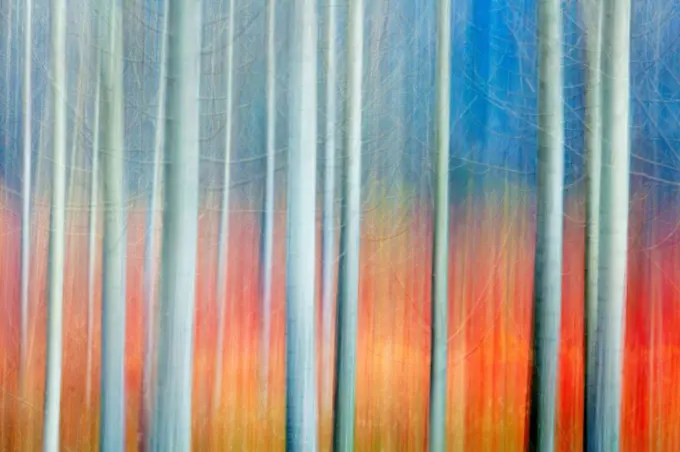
{"type": "Point", "coordinates": [264, 185]}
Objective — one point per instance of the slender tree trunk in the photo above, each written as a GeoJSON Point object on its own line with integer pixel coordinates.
{"type": "Point", "coordinates": [440, 246]}
{"type": "Point", "coordinates": [328, 250]}
{"type": "Point", "coordinates": [172, 405]}
{"type": "Point", "coordinates": [301, 404]}
{"type": "Point", "coordinates": [150, 253]}
{"type": "Point", "coordinates": [26, 190]}
{"type": "Point", "coordinates": [268, 239]}
{"type": "Point", "coordinates": [55, 286]}
{"type": "Point", "coordinates": [593, 14]}
{"type": "Point", "coordinates": [92, 236]}
{"type": "Point", "coordinates": [613, 224]}
{"type": "Point", "coordinates": [348, 278]}
{"type": "Point", "coordinates": [550, 211]}
{"type": "Point", "coordinates": [223, 240]}
{"type": "Point", "coordinates": [112, 424]}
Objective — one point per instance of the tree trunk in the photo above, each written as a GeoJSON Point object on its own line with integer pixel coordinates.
{"type": "Point", "coordinates": [440, 246]}
{"type": "Point", "coordinates": [593, 16]}
{"type": "Point", "coordinates": [268, 236]}
{"type": "Point", "coordinates": [301, 404]}
{"type": "Point", "coordinates": [92, 234]}
{"type": "Point", "coordinates": [613, 224]}
{"type": "Point", "coordinates": [550, 211]}
{"type": "Point", "coordinates": [112, 424]}
{"type": "Point", "coordinates": [348, 278]}
{"type": "Point", "coordinates": [328, 250]}
{"type": "Point", "coordinates": [223, 240]}
{"type": "Point", "coordinates": [150, 253]}
{"type": "Point", "coordinates": [55, 281]}
{"type": "Point", "coordinates": [172, 405]}
{"type": "Point", "coordinates": [26, 190]}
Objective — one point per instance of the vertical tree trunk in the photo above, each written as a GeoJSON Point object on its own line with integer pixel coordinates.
{"type": "Point", "coordinates": [268, 238]}
{"type": "Point", "coordinates": [223, 240]}
{"type": "Point", "coordinates": [92, 234]}
{"type": "Point", "coordinates": [172, 405]}
{"type": "Point", "coordinates": [150, 251]}
{"type": "Point", "coordinates": [55, 282]}
{"type": "Point", "coordinates": [440, 246]}
{"type": "Point", "coordinates": [328, 250]}
{"type": "Point", "coordinates": [593, 16]}
{"type": "Point", "coordinates": [112, 424]}
{"type": "Point", "coordinates": [348, 278]}
{"type": "Point", "coordinates": [301, 405]}
{"type": "Point", "coordinates": [613, 223]}
{"type": "Point", "coordinates": [550, 211]}
{"type": "Point", "coordinates": [26, 189]}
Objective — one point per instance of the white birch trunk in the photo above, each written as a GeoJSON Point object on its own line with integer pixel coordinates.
{"type": "Point", "coordinates": [348, 279]}
{"type": "Point", "coordinates": [328, 250]}
{"type": "Point", "coordinates": [172, 404]}
{"type": "Point", "coordinates": [593, 16]}
{"type": "Point", "coordinates": [613, 224]}
{"type": "Point", "coordinates": [268, 239]}
{"type": "Point", "coordinates": [223, 240]}
{"type": "Point", "coordinates": [55, 287]}
{"type": "Point", "coordinates": [26, 189]}
{"type": "Point", "coordinates": [301, 403]}
{"type": "Point", "coordinates": [150, 251]}
{"type": "Point", "coordinates": [112, 424]}
{"type": "Point", "coordinates": [440, 246]}
{"type": "Point", "coordinates": [92, 235]}
{"type": "Point", "coordinates": [550, 211]}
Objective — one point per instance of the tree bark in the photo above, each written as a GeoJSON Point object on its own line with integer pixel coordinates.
{"type": "Point", "coordinates": [440, 246]}
{"type": "Point", "coordinates": [172, 405]}
{"type": "Point", "coordinates": [301, 404]}
{"type": "Point", "coordinates": [350, 233]}
{"type": "Point", "coordinates": [26, 189]}
{"type": "Point", "coordinates": [593, 17]}
{"type": "Point", "coordinates": [328, 250]}
{"type": "Point", "coordinates": [112, 424]}
{"type": "Point", "coordinates": [550, 211]}
{"type": "Point", "coordinates": [613, 224]}
{"type": "Point", "coordinates": [223, 240]}
{"type": "Point", "coordinates": [55, 281]}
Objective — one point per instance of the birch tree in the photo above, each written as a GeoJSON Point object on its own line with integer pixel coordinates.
{"type": "Point", "coordinates": [592, 10]}
{"type": "Point", "coordinates": [348, 278]}
{"type": "Point", "coordinates": [440, 247]}
{"type": "Point", "coordinates": [92, 236]}
{"type": "Point", "coordinates": [548, 261]}
{"type": "Point", "coordinates": [150, 254]}
{"type": "Point", "coordinates": [112, 424]}
{"type": "Point", "coordinates": [268, 238]}
{"type": "Point", "coordinates": [328, 231]}
{"type": "Point", "coordinates": [223, 239]}
{"type": "Point", "coordinates": [26, 187]}
{"type": "Point", "coordinates": [172, 405]}
{"type": "Point", "coordinates": [55, 288]}
{"type": "Point", "coordinates": [301, 405]}
{"type": "Point", "coordinates": [613, 225]}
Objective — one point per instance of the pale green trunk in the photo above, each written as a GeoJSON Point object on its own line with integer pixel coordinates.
{"type": "Point", "coordinates": [613, 224]}
{"type": "Point", "coordinates": [549, 224]}
{"type": "Point", "coordinates": [112, 424]}
{"type": "Point", "coordinates": [223, 240]}
{"type": "Point", "coordinates": [350, 232]}
{"type": "Point", "coordinates": [593, 15]}
{"type": "Point", "coordinates": [301, 394]}
{"type": "Point", "coordinates": [172, 404]}
{"type": "Point", "coordinates": [55, 282]}
{"type": "Point", "coordinates": [440, 246]}
{"type": "Point", "coordinates": [26, 189]}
